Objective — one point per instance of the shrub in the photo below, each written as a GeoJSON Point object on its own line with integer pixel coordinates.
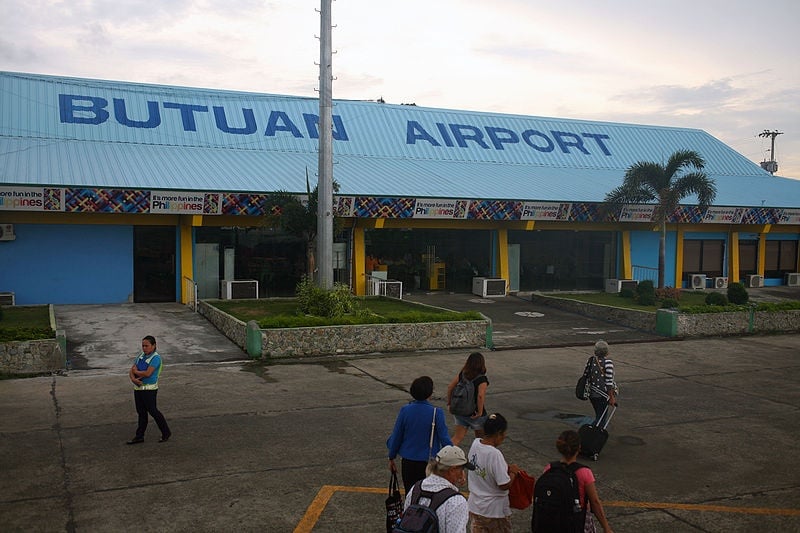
{"type": "Point", "coordinates": [645, 293]}
{"type": "Point", "coordinates": [669, 303]}
{"type": "Point", "coordinates": [737, 294]}
{"type": "Point", "coordinates": [1, 312]}
{"type": "Point", "coordinates": [668, 293]}
{"type": "Point", "coordinates": [626, 293]}
{"type": "Point", "coordinates": [716, 298]}
{"type": "Point", "coordinates": [317, 301]}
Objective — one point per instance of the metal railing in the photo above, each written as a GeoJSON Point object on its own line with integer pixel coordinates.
{"type": "Point", "coordinates": [384, 287]}
{"type": "Point", "coordinates": [641, 273]}
{"type": "Point", "coordinates": [190, 292]}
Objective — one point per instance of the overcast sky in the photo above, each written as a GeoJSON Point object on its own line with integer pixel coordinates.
{"type": "Point", "coordinates": [729, 67]}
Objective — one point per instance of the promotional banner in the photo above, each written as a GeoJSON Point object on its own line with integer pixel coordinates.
{"type": "Point", "coordinates": [723, 215]}
{"type": "Point", "coordinates": [637, 213]}
{"type": "Point", "coordinates": [789, 216]}
{"type": "Point", "coordinates": [31, 199]}
{"type": "Point", "coordinates": [184, 203]}
{"type": "Point", "coordinates": [439, 208]}
{"type": "Point", "coordinates": [545, 211]}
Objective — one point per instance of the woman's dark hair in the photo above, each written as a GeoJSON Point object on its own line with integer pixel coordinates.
{"type": "Point", "coordinates": [495, 423]}
{"type": "Point", "coordinates": [422, 388]}
{"type": "Point", "coordinates": [568, 443]}
{"type": "Point", "coordinates": [150, 339]}
{"type": "Point", "coordinates": [475, 366]}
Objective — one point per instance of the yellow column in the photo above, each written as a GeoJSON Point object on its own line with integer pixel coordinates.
{"type": "Point", "coordinates": [733, 257]}
{"type": "Point", "coordinates": [627, 267]}
{"type": "Point", "coordinates": [359, 261]}
{"type": "Point", "coordinates": [187, 260]}
{"type": "Point", "coordinates": [762, 253]}
{"type": "Point", "coordinates": [502, 252]}
{"type": "Point", "coordinates": [678, 258]}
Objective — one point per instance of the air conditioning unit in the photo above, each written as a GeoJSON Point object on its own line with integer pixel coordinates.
{"type": "Point", "coordinates": [238, 289]}
{"type": "Point", "coordinates": [793, 279]}
{"type": "Point", "coordinates": [755, 281]}
{"type": "Point", "coordinates": [721, 283]}
{"type": "Point", "coordinates": [698, 281]}
{"type": "Point", "coordinates": [7, 232]}
{"type": "Point", "coordinates": [485, 287]}
{"type": "Point", "coordinates": [6, 298]}
{"type": "Point", "coordinates": [616, 285]}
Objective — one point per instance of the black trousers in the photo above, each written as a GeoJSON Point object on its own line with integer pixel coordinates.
{"type": "Point", "coordinates": [146, 403]}
{"type": "Point", "coordinates": [411, 472]}
{"type": "Point", "coordinates": [599, 405]}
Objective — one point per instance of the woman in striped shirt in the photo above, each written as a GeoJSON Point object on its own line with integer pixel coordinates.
{"type": "Point", "coordinates": [603, 388]}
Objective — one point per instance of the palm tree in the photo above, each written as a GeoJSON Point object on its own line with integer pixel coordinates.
{"type": "Point", "coordinates": [667, 185]}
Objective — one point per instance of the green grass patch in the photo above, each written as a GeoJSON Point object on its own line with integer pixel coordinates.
{"type": "Point", "coordinates": [687, 298]}
{"type": "Point", "coordinates": [25, 323]}
{"type": "Point", "coordinates": [691, 303]}
{"type": "Point", "coordinates": [285, 313]}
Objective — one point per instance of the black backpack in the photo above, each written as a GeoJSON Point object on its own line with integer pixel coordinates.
{"type": "Point", "coordinates": [419, 518]}
{"type": "Point", "coordinates": [556, 501]}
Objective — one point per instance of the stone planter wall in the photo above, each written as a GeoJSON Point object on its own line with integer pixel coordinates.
{"type": "Point", "coordinates": [695, 325]}
{"type": "Point", "coordinates": [34, 357]}
{"type": "Point", "coordinates": [331, 340]}
{"type": "Point", "coordinates": [641, 320]}
{"type": "Point", "coordinates": [737, 323]}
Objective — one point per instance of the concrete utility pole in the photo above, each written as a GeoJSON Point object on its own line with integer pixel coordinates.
{"type": "Point", "coordinates": [770, 166]}
{"type": "Point", "coordinates": [325, 173]}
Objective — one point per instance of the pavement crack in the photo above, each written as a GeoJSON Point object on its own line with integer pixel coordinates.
{"type": "Point", "coordinates": [68, 499]}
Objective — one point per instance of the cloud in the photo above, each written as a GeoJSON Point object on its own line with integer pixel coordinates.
{"type": "Point", "coordinates": [672, 99]}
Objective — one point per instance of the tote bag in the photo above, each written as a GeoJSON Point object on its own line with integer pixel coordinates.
{"type": "Point", "coordinates": [394, 503]}
{"type": "Point", "coordinates": [520, 493]}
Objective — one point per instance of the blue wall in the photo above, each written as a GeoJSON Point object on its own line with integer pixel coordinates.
{"type": "Point", "coordinates": [65, 264]}
{"type": "Point", "coordinates": [644, 252]}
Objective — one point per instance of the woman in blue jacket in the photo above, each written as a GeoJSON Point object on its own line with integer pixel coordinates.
{"type": "Point", "coordinates": [418, 433]}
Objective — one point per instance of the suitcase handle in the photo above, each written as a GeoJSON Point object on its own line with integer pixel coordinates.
{"type": "Point", "coordinates": [603, 416]}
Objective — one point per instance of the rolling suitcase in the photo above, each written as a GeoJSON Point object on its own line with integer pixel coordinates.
{"type": "Point", "coordinates": [593, 438]}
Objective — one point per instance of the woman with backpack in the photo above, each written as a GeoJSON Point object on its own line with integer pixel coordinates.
{"type": "Point", "coordinates": [489, 509]}
{"type": "Point", "coordinates": [420, 431]}
{"type": "Point", "coordinates": [471, 378]}
{"type": "Point", "coordinates": [553, 506]}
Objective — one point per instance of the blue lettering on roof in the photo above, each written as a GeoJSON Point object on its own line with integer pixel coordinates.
{"type": "Point", "coordinates": [93, 110]}
{"type": "Point", "coordinates": [466, 135]}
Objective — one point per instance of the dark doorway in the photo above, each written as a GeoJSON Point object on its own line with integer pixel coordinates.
{"type": "Point", "coordinates": [154, 264]}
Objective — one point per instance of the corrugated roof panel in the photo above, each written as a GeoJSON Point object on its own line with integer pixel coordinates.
{"type": "Point", "coordinates": [123, 135]}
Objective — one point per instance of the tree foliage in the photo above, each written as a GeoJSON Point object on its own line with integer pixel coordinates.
{"type": "Point", "coordinates": [665, 185]}
{"type": "Point", "coordinates": [288, 213]}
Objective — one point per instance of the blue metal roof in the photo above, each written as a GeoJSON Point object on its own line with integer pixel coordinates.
{"type": "Point", "coordinates": [75, 132]}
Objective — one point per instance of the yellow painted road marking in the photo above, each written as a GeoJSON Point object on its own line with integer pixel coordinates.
{"type": "Point", "coordinates": [314, 511]}
{"type": "Point", "coordinates": [702, 507]}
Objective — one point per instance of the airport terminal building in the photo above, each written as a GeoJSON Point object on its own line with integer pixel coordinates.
{"type": "Point", "coordinates": [116, 192]}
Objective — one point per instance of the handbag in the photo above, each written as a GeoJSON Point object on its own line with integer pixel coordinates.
{"type": "Point", "coordinates": [582, 387]}
{"type": "Point", "coordinates": [394, 503]}
{"type": "Point", "coordinates": [520, 493]}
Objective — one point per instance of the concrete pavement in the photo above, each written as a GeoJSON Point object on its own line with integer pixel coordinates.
{"type": "Point", "coordinates": [704, 440]}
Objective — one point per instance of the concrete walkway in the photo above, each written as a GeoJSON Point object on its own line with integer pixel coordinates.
{"type": "Point", "coordinates": [703, 441]}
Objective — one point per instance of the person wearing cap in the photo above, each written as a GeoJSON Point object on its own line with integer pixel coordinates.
{"type": "Point", "coordinates": [446, 471]}
{"type": "Point", "coordinates": [489, 510]}
{"type": "Point", "coordinates": [604, 392]}
{"type": "Point", "coordinates": [419, 432]}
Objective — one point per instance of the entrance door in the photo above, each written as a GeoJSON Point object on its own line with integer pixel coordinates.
{"type": "Point", "coordinates": [154, 264]}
